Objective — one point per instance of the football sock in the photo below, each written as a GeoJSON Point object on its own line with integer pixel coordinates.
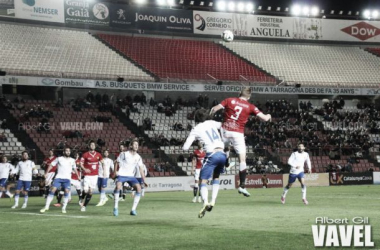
{"type": "Point", "coordinates": [47, 189]}
{"type": "Point", "coordinates": [79, 193]}
{"type": "Point", "coordinates": [242, 176]}
{"type": "Point", "coordinates": [195, 190]}
{"type": "Point", "coordinates": [204, 193]}
{"type": "Point", "coordinates": [102, 195]}
{"type": "Point", "coordinates": [26, 197]}
{"type": "Point", "coordinates": [49, 199]}
{"type": "Point", "coordinates": [215, 190]}
{"type": "Point", "coordinates": [59, 197]}
{"type": "Point", "coordinates": [116, 199]}
{"type": "Point", "coordinates": [286, 190]}
{"type": "Point", "coordinates": [142, 191]}
{"type": "Point", "coordinates": [88, 198]}
{"type": "Point", "coordinates": [65, 200]}
{"type": "Point", "coordinates": [17, 197]}
{"type": "Point", "coordinates": [136, 200]}
{"type": "Point", "coordinates": [303, 191]}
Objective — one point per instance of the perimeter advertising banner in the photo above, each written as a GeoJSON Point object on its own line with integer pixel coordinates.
{"type": "Point", "coordinates": [255, 181]}
{"type": "Point", "coordinates": [40, 10]}
{"type": "Point", "coordinates": [351, 178]}
{"type": "Point", "coordinates": [376, 178]}
{"type": "Point", "coordinates": [87, 12]}
{"type": "Point", "coordinates": [177, 183]}
{"type": "Point", "coordinates": [244, 25]}
{"type": "Point", "coordinates": [7, 8]}
{"type": "Point", "coordinates": [165, 20]}
{"type": "Point", "coordinates": [179, 87]}
{"type": "Point", "coordinates": [312, 180]}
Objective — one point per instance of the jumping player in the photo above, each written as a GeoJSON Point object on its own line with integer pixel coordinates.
{"type": "Point", "coordinates": [5, 169]}
{"type": "Point", "coordinates": [49, 175]}
{"type": "Point", "coordinates": [197, 162]}
{"type": "Point", "coordinates": [104, 173]}
{"type": "Point", "coordinates": [236, 114]}
{"type": "Point", "coordinates": [128, 162]}
{"type": "Point", "coordinates": [90, 168]}
{"type": "Point", "coordinates": [65, 165]}
{"type": "Point", "coordinates": [25, 168]}
{"type": "Point", "coordinates": [297, 162]}
{"type": "Point", "coordinates": [207, 131]}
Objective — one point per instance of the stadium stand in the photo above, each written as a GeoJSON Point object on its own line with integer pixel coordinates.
{"type": "Point", "coordinates": [375, 51]}
{"type": "Point", "coordinates": [9, 144]}
{"type": "Point", "coordinates": [62, 53]}
{"type": "Point", "coordinates": [185, 59]}
{"type": "Point", "coordinates": [313, 65]}
{"type": "Point", "coordinates": [112, 133]}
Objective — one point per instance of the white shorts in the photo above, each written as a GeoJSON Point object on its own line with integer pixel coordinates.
{"type": "Point", "coordinates": [196, 174]}
{"type": "Point", "coordinates": [76, 184]}
{"type": "Point", "coordinates": [236, 139]}
{"type": "Point", "coordinates": [49, 179]}
{"type": "Point", "coordinates": [90, 182]}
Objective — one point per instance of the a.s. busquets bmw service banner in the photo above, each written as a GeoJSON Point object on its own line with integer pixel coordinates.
{"type": "Point", "coordinates": [165, 20]}
{"type": "Point", "coordinates": [40, 10]}
{"type": "Point", "coordinates": [179, 87]}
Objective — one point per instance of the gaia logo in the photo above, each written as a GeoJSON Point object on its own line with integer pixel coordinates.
{"type": "Point", "coordinates": [47, 81]}
{"type": "Point", "coordinates": [100, 11]}
{"type": "Point", "coordinates": [198, 18]}
{"type": "Point", "coordinates": [29, 2]}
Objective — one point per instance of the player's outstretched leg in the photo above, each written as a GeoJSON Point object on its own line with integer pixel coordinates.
{"type": "Point", "coordinates": [303, 186]}
{"type": "Point", "coordinates": [215, 190]}
{"type": "Point", "coordinates": [49, 199]}
{"type": "Point", "coordinates": [286, 190]}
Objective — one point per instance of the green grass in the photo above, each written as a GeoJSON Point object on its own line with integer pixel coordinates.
{"type": "Point", "coordinates": [169, 221]}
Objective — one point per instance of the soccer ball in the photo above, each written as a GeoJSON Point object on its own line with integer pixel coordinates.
{"type": "Point", "coordinates": [228, 36]}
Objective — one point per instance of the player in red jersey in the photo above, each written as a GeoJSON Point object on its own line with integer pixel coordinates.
{"type": "Point", "coordinates": [197, 162]}
{"type": "Point", "coordinates": [49, 176]}
{"type": "Point", "coordinates": [75, 180]}
{"type": "Point", "coordinates": [236, 114]}
{"type": "Point", "coordinates": [90, 168]}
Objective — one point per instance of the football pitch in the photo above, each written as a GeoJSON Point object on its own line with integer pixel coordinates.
{"type": "Point", "coordinates": [168, 220]}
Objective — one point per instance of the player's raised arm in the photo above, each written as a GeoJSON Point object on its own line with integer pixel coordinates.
{"type": "Point", "coordinates": [263, 117]}
{"type": "Point", "coordinates": [189, 141]}
{"type": "Point", "coordinates": [216, 109]}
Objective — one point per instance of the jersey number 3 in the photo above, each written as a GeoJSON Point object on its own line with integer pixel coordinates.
{"type": "Point", "coordinates": [214, 135]}
{"type": "Point", "coordinates": [237, 113]}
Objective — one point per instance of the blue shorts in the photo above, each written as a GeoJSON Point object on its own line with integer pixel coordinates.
{"type": "Point", "coordinates": [294, 177]}
{"type": "Point", "coordinates": [62, 183]}
{"type": "Point", "coordinates": [102, 182]}
{"type": "Point", "coordinates": [132, 181]}
{"type": "Point", "coordinates": [213, 163]}
{"type": "Point", "coordinates": [140, 180]}
{"type": "Point", "coordinates": [3, 182]}
{"type": "Point", "coordinates": [23, 184]}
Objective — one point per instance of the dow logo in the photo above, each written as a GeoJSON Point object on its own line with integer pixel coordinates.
{"type": "Point", "coordinates": [31, 3]}
{"type": "Point", "coordinates": [362, 31]}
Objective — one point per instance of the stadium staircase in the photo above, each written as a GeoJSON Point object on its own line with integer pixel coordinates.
{"type": "Point", "coordinates": [157, 153]}
{"type": "Point", "coordinates": [127, 58]}
{"type": "Point", "coordinates": [22, 136]}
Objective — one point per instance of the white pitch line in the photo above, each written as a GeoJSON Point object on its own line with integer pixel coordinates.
{"type": "Point", "coordinates": [51, 215]}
